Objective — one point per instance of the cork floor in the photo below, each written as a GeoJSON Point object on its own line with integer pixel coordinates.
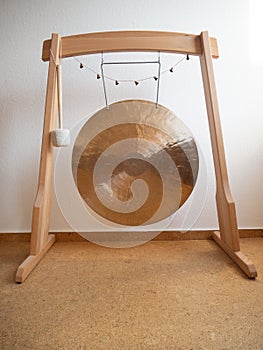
{"type": "Point", "coordinates": [170, 295]}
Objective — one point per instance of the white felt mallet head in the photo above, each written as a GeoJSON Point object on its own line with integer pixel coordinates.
{"type": "Point", "coordinates": [60, 137]}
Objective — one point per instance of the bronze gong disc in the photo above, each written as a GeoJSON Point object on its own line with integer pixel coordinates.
{"type": "Point", "coordinates": [134, 164]}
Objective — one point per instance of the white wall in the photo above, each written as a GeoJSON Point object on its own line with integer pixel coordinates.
{"type": "Point", "coordinates": [25, 24]}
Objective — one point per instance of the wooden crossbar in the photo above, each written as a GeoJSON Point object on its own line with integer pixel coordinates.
{"type": "Point", "coordinates": [92, 43]}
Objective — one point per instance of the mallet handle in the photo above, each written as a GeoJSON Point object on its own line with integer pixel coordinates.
{"type": "Point", "coordinates": [59, 91]}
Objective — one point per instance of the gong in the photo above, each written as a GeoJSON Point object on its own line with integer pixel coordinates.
{"type": "Point", "coordinates": [134, 164]}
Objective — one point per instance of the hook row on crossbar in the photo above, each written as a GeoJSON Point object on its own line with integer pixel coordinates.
{"type": "Point", "coordinates": [157, 78]}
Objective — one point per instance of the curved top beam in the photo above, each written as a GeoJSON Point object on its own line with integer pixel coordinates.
{"type": "Point", "coordinates": [93, 43]}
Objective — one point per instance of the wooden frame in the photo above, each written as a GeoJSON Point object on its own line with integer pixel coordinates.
{"type": "Point", "coordinates": [201, 45]}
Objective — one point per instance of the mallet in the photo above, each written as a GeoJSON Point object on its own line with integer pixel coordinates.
{"type": "Point", "coordinates": [60, 137]}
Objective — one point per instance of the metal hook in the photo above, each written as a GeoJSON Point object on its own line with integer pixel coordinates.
{"type": "Point", "coordinates": [103, 80]}
{"type": "Point", "coordinates": [159, 77]}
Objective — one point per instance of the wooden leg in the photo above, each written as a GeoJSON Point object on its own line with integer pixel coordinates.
{"type": "Point", "coordinates": [32, 260]}
{"type": "Point", "coordinates": [238, 257]}
{"type": "Point", "coordinates": [41, 241]}
{"type": "Point", "coordinates": [228, 238]}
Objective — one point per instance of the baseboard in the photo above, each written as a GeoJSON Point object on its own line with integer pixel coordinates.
{"type": "Point", "coordinates": [163, 236]}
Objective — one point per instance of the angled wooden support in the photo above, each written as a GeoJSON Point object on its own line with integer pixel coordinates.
{"type": "Point", "coordinates": [237, 256]}
{"type": "Point", "coordinates": [32, 260]}
{"type": "Point", "coordinates": [84, 44]}
{"type": "Point", "coordinates": [41, 241]}
{"type": "Point", "coordinates": [228, 238]}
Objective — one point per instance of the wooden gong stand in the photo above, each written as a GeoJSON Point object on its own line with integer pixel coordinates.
{"type": "Point", "coordinates": [201, 45]}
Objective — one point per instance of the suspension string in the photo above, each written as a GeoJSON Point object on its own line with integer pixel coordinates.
{"type": "Point", "coordinates": [137, 81]}
{"type": "Point", "coordinates": [156, 78]}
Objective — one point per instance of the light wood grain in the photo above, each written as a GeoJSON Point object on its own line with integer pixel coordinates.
{"type": "Point", "coordinates": [228, 238]}
{"type": "Point", "coordinates": [93, 43]}
{"type": "Point", "coordinates": [225, 204]}
{"type": "Point", "coordinates": [238, 257]}
{"type": "Point", "coordinates": [32, 260]}
{"type": "Point", "coordinates": [40, 239]}
{"type": "Point", "coordinates": [41, 210]}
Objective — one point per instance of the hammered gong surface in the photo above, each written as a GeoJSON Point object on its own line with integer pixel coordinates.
{"type": "Point", "coordinates": [134, 164]}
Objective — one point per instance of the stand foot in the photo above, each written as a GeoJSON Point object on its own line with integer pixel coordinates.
{"type": "Point", "coordinates": [32, 260]}
{"type": "Point", "coordinates": [238, 257]}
